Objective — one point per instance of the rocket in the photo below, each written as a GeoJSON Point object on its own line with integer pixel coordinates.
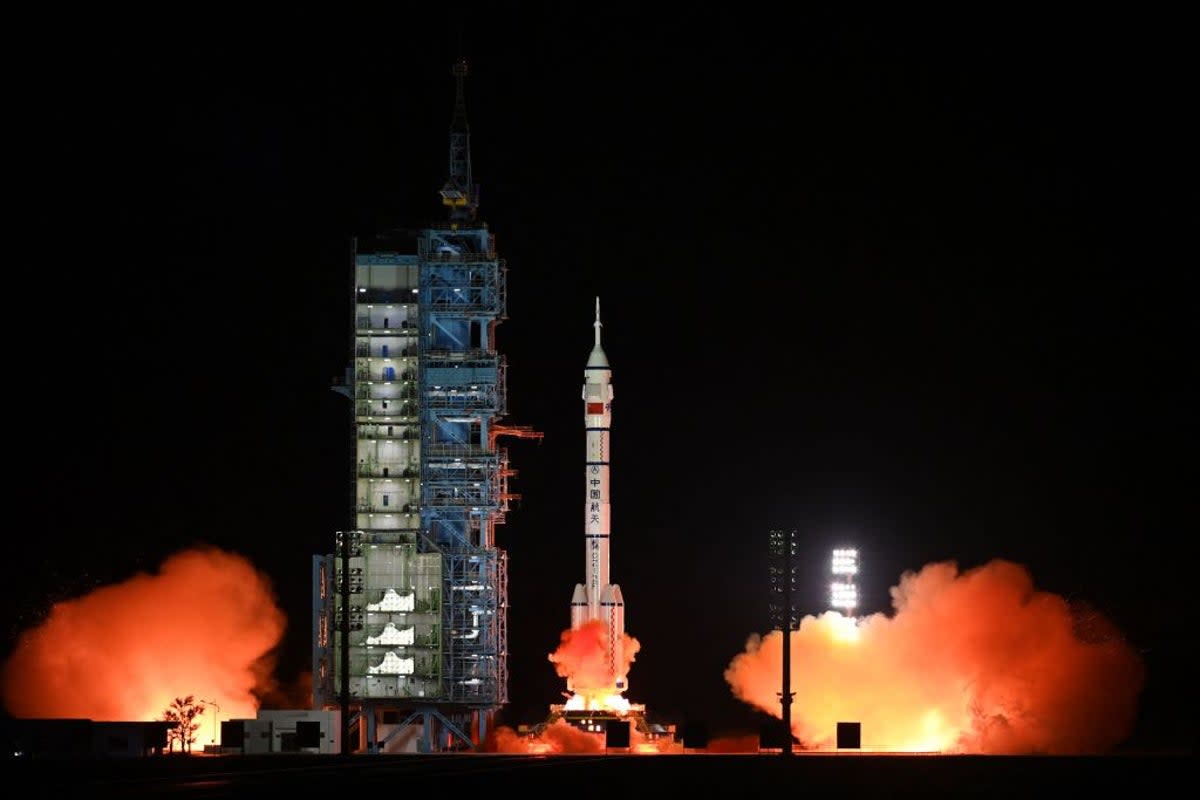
{"type": "Point", "coordinates": [596, 598]}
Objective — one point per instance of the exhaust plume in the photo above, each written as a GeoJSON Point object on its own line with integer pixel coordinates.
{"type": "Point", "coordinates": [971, 662]}
{"type": "Point", "coordinates": [558, 737]}
{"type": "Point", "coordinates": [205, 625]}
{"type": "Point", "coordinates": [582, 658]}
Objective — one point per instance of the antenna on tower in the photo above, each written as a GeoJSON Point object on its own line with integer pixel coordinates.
{"type": "Point", "coordinates": [459, 192]}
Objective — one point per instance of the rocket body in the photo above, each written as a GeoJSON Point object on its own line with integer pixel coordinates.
{"type": "Point", "coordinates": [597, 598]}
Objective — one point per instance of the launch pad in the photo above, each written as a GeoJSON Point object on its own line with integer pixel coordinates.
{"type": "Point", "coordinates": [605, 724]}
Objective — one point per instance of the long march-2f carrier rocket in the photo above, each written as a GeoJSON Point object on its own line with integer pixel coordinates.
{"type": "Point", "coordinates": [596, 598]}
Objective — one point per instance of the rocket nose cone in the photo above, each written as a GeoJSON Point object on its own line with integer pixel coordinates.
{"type": "Point", "coordinates": [616, 594]}
{"type": "Point", "coordinates": [597, 358]}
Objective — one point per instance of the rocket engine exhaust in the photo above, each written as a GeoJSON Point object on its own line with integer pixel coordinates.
{"type": "Point", "coordinates": [206, 624]}
{"type": "Point", "coordinates": [972, 662]}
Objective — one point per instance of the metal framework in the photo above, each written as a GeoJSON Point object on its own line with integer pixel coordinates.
{"type": "Point", "coordinates": [782, 611]}
{"type": "Point", "coordinates": [410, 615]}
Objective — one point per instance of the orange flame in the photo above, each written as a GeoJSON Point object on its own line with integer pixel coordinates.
{"type": "Point", "coordinates": [734, 743]}
{"type": "Point", "coordinates": [977, 662]}
{"type": "Point", "coordinates": [558, 737]}
{"type": "Point", "coordinates": [562, 737]}
{"type": "Point", "coordinates": [206, 625]}
{"type": "Point", "coordinates": [582, 659]}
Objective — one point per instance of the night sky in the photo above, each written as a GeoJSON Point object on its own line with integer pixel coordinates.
{"type": "Point", "coordinates": [900, 282]}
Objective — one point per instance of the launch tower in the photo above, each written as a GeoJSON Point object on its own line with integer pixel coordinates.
{"type": "Point", "coordinates": [410, 610]}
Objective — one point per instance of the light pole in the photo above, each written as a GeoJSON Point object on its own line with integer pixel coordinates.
{"type": "Point", "coordinates": [218, 708]}
{"type": "Point", "coordinates": [782, 572]}
{"type": "Point", "coordinates": [843, 594]}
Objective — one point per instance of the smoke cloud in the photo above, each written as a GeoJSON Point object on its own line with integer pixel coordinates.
{"type": "Point", "coordinates": [581, 658]}
{"type": "Point", "coordinates": [972, 662]}
{"type": "Point", "coordinates": [561, 737]}
{"type": "Point", "coordinates": [205, 625]}
{"type": "Point", "coordinates": [733, 743]}
{"type": "Point", "coordinates": [558, 737]}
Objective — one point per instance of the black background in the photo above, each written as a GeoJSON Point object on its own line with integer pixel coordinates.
{"type": "Point", "coordinates": [898, 281]}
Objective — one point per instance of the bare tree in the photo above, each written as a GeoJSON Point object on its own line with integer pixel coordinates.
{"type": "Point", "coordinates": [183, 712]}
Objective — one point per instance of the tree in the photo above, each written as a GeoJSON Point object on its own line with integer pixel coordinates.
{"type": "Point", "coordinates": [183, 712]}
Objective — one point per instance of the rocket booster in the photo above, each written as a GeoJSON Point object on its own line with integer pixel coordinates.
{"type": "Point", "coordinates": [596, 598]}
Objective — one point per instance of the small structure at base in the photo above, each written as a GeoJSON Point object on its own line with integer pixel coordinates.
{"type": "Point", "coordinates": [284, 731]}
{"type": "Point", "coordinates": [54, 738]}
{"type": "Point", "coordinates": [849, 736]}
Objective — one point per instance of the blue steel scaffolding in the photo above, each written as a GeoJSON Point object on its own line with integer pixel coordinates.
{"type": "Point", "coordinates": [410, 614]}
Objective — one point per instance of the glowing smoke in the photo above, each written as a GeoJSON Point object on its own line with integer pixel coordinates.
{"type": "Point", "coordinates": [561, 737]}
{"type": "Point", "coordinates": [206, 625]}
{"type": "Point", "coordinates": [582, 658]}
{"type": "Point", "coordinates": [734, 743]}
{"type": "Point", "coordinates": [976, 662]}
{"type": "Point", "coordinates": [558, 737]}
